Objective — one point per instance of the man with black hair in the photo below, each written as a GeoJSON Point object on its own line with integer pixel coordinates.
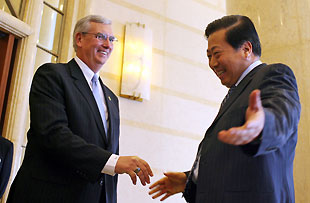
{"type": "Point", "coordinates": [247, 153]}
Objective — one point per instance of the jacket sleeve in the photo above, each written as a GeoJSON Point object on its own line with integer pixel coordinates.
{"type": "Point", "coordinates": [51, 124]}
{"type": "Point", "coordinates": [280, 100]}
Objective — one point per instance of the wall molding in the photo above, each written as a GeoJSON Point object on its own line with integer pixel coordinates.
{"type": "Point", "coordinates": [169, 92]}
{"type": "Point", "coordinates": [157, 16]}
{"type": "Point", "coordinates": [14, 25]}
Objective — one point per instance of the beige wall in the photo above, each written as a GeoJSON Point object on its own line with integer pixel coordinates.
{"type": "Point", "coordinates": [185, 94]}
{"type": "Point", "coordinates": [283, 27]}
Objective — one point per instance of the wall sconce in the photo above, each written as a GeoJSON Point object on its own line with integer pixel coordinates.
{"type": "Point", "coordinates": [137, 62]}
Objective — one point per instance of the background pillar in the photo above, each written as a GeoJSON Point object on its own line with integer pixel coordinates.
{"type": "Point", "coordinates": [284, 30]}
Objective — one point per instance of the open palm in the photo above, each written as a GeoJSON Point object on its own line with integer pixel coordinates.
{"type": "Point", "coordinates": [172, 183]}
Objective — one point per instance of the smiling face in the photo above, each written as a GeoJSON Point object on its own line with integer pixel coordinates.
{"type": "Point", "coordinates": [92, 51]}
{"type": "Point", "coordinates": [227, 62]}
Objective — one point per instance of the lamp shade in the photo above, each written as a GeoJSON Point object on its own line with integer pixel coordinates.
{"type": "Point", "coordinates": [137, 62]}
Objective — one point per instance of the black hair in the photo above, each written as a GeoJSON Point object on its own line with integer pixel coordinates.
{"type": "Point", "coordinates": [240, 29]}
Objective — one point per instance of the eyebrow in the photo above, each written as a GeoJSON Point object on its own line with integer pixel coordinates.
{"type": "Point", "coordinates": [212, 49]}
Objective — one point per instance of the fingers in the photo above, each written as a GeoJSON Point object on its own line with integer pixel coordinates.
{"type": "Point", "coordinates": [240, 135]}
{"type": "Point", "coordinates": [165, 197]}
{"type": "Point", "coordinates": [158, 185]}
{"type": "Point", "coordinates": [235, 136]}
{"type": "Point", "coordinates": [160, 193]}
{"type": "Point", "coordinates": [255, 102]}
{"type": "Point", "coordinates": [145, 173]}
{"type": "Point", "coordinates": [133, 177]}
{"type": "Point", "coordinates": [172, 174]}
{"type": "Point", "coordinates": [158, 188]}
{"type": "Point", "coordinates": [128, 164]}
{"type": "Point", "coordinates": [172, 183]}
{"type": "Point", "coordinates": [159, 182]}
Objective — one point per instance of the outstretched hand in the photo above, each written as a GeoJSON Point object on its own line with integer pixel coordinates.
{"type": "Point", "coordinates": [128, 164]}
{"type": "Point", "coordinates": [172, 183]}
{"type": "Point", "coordinates": [254, 123]}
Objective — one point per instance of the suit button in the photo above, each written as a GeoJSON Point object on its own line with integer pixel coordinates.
{"type": "Point", "coordinates": [101, 183]}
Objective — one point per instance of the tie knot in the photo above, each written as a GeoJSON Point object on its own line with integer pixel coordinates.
{"type": "Point", "coordinates": [94, 79]}
{"type": "Point", "coordinates": [231, 89]}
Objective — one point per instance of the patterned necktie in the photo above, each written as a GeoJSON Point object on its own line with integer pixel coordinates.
{"type": "Point", "coordinates": [101, 106]}
{"type": "Point", "coordinates": [228, 95]}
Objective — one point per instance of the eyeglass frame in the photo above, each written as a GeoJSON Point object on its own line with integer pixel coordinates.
{"type": "Point", "coordinates": [102, 36]}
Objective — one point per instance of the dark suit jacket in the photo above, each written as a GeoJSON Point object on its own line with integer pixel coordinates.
{"type": "Point", "coordinates": [67, 147]}
{"type": "Point", "coordinates": [6, 155]}
{"type": "Point", "coordinates": [261, 171]}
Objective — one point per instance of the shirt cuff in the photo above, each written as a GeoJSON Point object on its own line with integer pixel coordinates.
{"type": "Point", "coordinates": [109, 167]}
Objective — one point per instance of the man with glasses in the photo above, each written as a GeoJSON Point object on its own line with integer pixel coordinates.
{"type": "Point", "coordinates": [73, 140]}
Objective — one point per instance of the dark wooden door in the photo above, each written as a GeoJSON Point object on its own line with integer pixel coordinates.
{"type": "Point", "coordinates": [6, 50]}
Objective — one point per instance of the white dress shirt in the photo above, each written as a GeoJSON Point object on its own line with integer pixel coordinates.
{"type": "Point", "coordinates": [109, 167]}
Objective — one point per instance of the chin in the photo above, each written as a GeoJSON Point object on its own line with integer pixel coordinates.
{"type": "Point", "coordinates": [223, 83]}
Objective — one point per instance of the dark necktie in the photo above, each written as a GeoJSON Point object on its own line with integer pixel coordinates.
{"type": "Point", "coordinates": [230, 91]}
{"type": "Point", "coordinates": [101, 107]}
{"type": "Point", "coordinates": [190, 188]}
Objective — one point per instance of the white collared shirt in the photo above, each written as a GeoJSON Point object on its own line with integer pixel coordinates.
{"type": "Point", "coordinates": [251, 67]}
{"type": "Point", "coordinates": [109, 167]}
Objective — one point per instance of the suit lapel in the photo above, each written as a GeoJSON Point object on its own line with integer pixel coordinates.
{"type": "Point", "coordinates": [82, 85]}
{"type": "Point", "coordinates": [234, 96]}
{"type": "Point", "coordinates": [108, 103]}
{"type": "Point", "coordinates": [112, 110]}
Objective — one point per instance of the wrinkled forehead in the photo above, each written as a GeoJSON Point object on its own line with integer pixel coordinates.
{"type": "Point", "coordinates": [100, 28]}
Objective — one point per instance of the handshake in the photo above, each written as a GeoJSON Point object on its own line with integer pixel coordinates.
{"type": "Point", "coordinates": [172, 183]}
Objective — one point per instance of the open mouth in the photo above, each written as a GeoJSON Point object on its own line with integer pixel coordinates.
{"type": "Point", "coordinates": [103, 52]}
{"type": "Point", "coordinates": [219, 73]}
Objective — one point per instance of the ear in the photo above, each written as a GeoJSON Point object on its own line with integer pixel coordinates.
{"type": "Point", "coordinates": [247, 49]}
{"type": "Point", "coordinates": [78, 39]}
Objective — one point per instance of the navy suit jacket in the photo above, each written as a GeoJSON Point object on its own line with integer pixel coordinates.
{"type": "Point", "coordinates": [261, 171]}
{"type": "Point", "coordinates": [6, 155]}
{"type": "Point", "coordinates": [67, 147]}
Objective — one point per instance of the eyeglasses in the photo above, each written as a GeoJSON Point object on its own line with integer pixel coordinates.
{"type": "Point", "coordinates": [102, 36]}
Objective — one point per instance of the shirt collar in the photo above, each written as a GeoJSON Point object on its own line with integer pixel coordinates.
{"type": "Point", "coordinates": [87, 72]}
{"type": "Point", "coordinates": [251, 67]}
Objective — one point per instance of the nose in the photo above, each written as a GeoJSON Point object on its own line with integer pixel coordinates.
{"type": "Point", "coordinates": [213, 63]}
{"type": "Point", "coordinates": [107, 43]}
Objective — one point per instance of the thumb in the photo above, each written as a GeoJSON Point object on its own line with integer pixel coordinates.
{"type": "Point", "coordinates": [255, 102]}
{"type": "Point", "coordinates": [171, 174]}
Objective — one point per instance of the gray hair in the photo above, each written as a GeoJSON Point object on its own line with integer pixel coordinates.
{"type": "Point", "coordinates": [84, 23]}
